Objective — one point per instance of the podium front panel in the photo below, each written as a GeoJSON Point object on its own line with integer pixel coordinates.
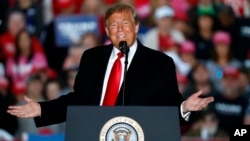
{"type": "Point", "coordinates": [94, 123]}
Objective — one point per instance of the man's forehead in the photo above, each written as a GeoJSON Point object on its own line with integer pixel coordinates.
{"type": "Point", "coordinates": [124, 16]}
{"type": "Point", "coordinates": [123, 12]}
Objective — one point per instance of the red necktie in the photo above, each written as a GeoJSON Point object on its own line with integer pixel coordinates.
{"type": "Point", "coordinates": [113, 82]}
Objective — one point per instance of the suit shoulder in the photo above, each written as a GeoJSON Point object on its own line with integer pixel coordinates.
{"type": "Point", "coordinates": [97, 50]}
{"type": "Point", "coordinates": [155, 54]}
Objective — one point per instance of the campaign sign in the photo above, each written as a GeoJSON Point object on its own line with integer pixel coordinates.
{"type": "Point", "coordinates": [69, 29]}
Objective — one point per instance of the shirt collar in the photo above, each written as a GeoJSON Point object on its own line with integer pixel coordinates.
{"type": "Point", "coordinates": [131, 53]}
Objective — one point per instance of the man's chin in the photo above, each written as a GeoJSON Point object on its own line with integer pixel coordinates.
{"type": "Point", "coordinates": [122, 39]}
{"type": "Point", "coordinates": [117, 42]}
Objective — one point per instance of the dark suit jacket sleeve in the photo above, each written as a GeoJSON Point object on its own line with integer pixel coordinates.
{"type": "Point", "coordinates": [171, 86]}
{"type": "Point", "coordinates": [53, 112]}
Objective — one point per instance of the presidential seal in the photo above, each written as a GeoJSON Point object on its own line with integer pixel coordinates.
{"type": "Point", "coordinates": [121, 129]}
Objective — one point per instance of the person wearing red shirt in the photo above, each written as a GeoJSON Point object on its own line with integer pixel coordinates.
{"type": "Point", "coordinates": [16, 22]}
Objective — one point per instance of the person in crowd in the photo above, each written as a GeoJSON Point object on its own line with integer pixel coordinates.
{"type": "Point", "coordinates": [25, 62]}
{"type": "Point", "coordinates": [90, 40]}
{"type": "Point", "coordinates": [181, 23]}
{"type": "Point", "coordinates": [66, 6]}
{"type": "Point", "coordinates": [222, 57]}
{"type": "Point", "coordinates": [16, 23]}
{"type": "Point", "coordinates": [62, 8]}
{"type": "Point", "coordinates": [180, 7]}
{"type": "Point", "coordinates": [93, 7]}
{"type": "Point", "coordinates": [181, 19]}
{"type": "Point", "coordinates": [73, 58]}
{"type": "Point", "coordinates": [182, 56]}
{"type": "Point", "coordinates": [227, 21]}
{"type": "Point", "coordinates": [203, 33]}
{"type": "Point", "coordinates": [159, 38]}
{"type": "Point", "coordinates": [182, 81]}
{"type": "Point", "coordinates": [208, 127]}
{"type": "Point", "coordinates": [200, 5]}
{"type": "Point", "coordinates": [199, 80]}
{"type": "Point", "coordinates": [52, 89]}
{"type": "Point", "coordinates": [182, 67]}
{"type": "Point", "coordinates": [150, 80]}
{"type": "Point", "coordinates": [187, 55]}
{"type": "Point", "coordinates": [33, 16]}
{"type": "Point", "coordinates": [239, 7]}
{"type": "Point", "coordinates": [97, 8]}
{"type": "Point", "coordinates": [70, 80]}
{"type": "Point", "coordinates": [154, 4]}
{"type": "Point", "coordinates": [230, 105]}
{"type": "Point", "coordinates": [244, 81]}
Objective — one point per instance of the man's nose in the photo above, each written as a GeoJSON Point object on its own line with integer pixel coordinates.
{"type": "Point", "coordinates": [120, 27]}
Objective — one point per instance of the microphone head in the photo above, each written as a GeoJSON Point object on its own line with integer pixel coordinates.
{"type": "Point", "coordinates": [124, 47]}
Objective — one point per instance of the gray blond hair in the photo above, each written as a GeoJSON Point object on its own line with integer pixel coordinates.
{"type": "Point", "coordinates": [121, 7]}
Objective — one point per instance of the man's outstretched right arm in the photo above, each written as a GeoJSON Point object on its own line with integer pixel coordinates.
{"type": "Point", "coordinates": [44, 113]}
{"type": "Point", "coordinates": [28, 110]}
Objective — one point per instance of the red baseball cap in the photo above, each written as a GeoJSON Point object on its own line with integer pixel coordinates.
{"type": "Point", "coordinates": [231, 71]}
{"type": "Point", "coordinates": [182, 16]}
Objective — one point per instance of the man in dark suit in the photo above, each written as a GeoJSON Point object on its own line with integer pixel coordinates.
{"type": "Point", "coordinates": [150, 79]}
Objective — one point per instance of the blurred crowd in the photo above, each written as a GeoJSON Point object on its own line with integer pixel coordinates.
{"type": "Point", "coordinates": [209, 41]}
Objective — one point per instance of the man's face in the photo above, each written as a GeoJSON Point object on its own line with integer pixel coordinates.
{"type": "Point", "coordinates": [121, 27]}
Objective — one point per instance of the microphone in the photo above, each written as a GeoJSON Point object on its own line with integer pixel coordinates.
{"type": "Point", "coordinates": [124, 47]}
{"type": "Point", "coordinates": [125, 50]}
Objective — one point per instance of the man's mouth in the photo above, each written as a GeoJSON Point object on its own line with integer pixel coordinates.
{"type": "Point", "coordinates": [121, 36]}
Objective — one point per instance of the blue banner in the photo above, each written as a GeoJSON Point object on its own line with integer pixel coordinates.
{"type": "Point", "coordinates": [70, 29]}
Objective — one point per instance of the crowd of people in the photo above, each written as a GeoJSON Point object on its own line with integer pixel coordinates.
{"type": "Point", "coordinates": [209, 41]}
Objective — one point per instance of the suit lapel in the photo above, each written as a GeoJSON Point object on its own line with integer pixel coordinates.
{"type": "Point", "coordinates": [138, 58]}
{"type": "Point", "coordinates": [101, 68]}
{"type": "Point", "coordinates": [137, 64]}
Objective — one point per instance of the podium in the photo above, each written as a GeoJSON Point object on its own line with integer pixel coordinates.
{"type": "Point", "coordinates": [125, 123]}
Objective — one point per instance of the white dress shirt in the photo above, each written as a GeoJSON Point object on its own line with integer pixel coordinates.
{"type": "Point", "coordinates": [111, 61]}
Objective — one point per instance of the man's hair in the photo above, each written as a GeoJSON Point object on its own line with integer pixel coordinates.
{"type": "Point", "coordinates": [121, 7]}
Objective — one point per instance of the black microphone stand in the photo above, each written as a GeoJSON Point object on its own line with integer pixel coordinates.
{"type": "Point", "coordinates": [125, 50]}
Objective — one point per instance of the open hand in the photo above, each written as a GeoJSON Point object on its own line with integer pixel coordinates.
{"type": "Point", "coordinates": [196, 103]}
{"type": "Point", "coordinates": [29, 110]}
